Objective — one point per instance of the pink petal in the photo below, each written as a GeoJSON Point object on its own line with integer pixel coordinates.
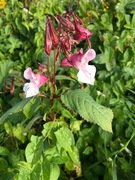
{"type": "Point", "coordinates": [76, 58]}
{"type": "Point", "coordinates": [28, 74]}
{"type": "Point", "coordinates": [82, 33]}
{"type": "Point", "coordinates": [66, 62]}
{"type": "Point", "coordinates": [42, 80]}
{"type": "Point", "coordinates": [89, 55]}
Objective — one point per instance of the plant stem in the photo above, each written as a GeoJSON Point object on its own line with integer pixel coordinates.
{"type": "Point", "coordinates": [52, 79]}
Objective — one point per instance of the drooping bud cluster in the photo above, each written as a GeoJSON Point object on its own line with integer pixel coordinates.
{"type": "Point", "coordinates": [64, 38]}
{"type": "Point", "coordinates": [68, 33]}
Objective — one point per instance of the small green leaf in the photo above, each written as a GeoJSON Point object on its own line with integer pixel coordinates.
{"type": "Point", "coordinates": [82, 103]}
{"type": "Point", "coordinates": [74, 155]}
{"type": "Point", "coordinates": [4, 71]}
{"type": "Point", "coordinates": [3, 165]}
{"type": "Point", "coordinates": [63, 77]}
{"type": "Point", "coordinates": [45, 170]}
{"type": "Point", "coordinates": [24, 171]}
{"type": "Point", "coordinates": [8, 127]}
{"type": "Point", "coordinates": [18, 132]}
{"type": "Point", "coordinates": [34, 149]}
{"type": "Point", "coordinates": [3, 151]}
{"type": "Point", "coordinates": [54, 171]}
{"type": "Point", "coordinates": [65, 138]}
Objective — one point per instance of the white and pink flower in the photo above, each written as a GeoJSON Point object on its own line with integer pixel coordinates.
{"type": "Point", "coordinates": [80, 61]}
{"type": "Point", "coordinates": [36, 81]}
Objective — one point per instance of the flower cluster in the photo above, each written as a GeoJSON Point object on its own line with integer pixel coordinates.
{"type": "Point", "coordinates": [68, 34]}
{"type": "Point", "coordinates": [80, 61]}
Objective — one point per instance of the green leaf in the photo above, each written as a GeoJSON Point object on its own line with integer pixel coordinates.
{"type": "Point", "coordinates": [24, 171]}
{"type": "Point", "coordinates": [8, 127]}
{"type": "Point", "coordinates": [18, 107]}
{"type": "Point", "coordinates": [18, 132]}
{"type": "Point", "coordinates": [43, 169]}
{"type": "Point", "coordinates": [51, 127]}
{"type": "Point", "coordinates": [82, 103]}
{"type": "Point", "coordinates": [31, 108]}
{"type": "Point", "coordinates": [65, 138]}
{"type": "Point", "coordinates": [63, 77]}
{"type": "Point", "coordinates": [54, 171]}
{"type": "Point", "coordinates": [3, 165]}
{"type": "Point", "coordinates": [74, 155]}
{"type": "Point", "coordinates": [15, 157]}
{"type": "Point", "coordinates": [3, 151]}
{"type": "Point", "coordinates": [34, 149]}
{"type": "Point", "coordinates": [4, 71]}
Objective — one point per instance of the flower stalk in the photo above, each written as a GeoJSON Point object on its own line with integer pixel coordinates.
{"type": "Point", "coordinates": [63, 40]}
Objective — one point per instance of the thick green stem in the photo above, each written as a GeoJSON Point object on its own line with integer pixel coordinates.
{"type": "Point", "coordinates": [52, 80]}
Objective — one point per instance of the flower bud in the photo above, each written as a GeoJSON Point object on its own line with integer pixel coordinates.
{"type": "Point", "coordinates": [65, 22]}
{"type": "Point", "coordinates": [53, 33]}
{"type": "Point", "coordinates": [12, 87]}
{"type": "Point", "coordinates": [48, 40]}
{"type": "Point", "coordinates": [81, 32]}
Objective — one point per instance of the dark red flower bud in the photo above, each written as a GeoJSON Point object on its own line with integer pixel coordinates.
{"type": "Point", "coordinates": [81, 32]}
{"type": "Point", "coordinates": [77, 18]}
{"type": "Point", "coordinates": [53, 33]}
{"type": "Point", "coordinates": [48, 40]}
{"type": "Point", "coordinates": [5, 86]}
{"type": "Point", "coordinates": [64, 21]}
{"type": "Point", "coordinates": [12, 87]}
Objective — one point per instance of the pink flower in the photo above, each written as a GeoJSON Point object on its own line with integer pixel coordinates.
{"type": "Point", "coordinates": [36, 81]}
{"type": "Point", "coordinates": [81, 32]}
{"type": "Point", "coordinates": [80, 61]}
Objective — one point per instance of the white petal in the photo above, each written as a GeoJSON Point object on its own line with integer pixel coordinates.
{"type": "Point", "coordinates": [91, 69]}
{"type": "Point", "coordinates": [88, 75]}
{"type": "Point", "coordinates": [30, 89]}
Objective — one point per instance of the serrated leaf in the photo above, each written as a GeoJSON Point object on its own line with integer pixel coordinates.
{"type": "Point", "coordinates": [82, 103]}
{"type": "Point", "coordinates": [18, 107]}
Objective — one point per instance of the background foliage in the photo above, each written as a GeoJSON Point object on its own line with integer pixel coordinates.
{"type": "Point", "coordinates": [31, 146]}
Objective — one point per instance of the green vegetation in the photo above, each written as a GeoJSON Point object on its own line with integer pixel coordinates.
{"type": "Point", "coordinates": [83, 142]}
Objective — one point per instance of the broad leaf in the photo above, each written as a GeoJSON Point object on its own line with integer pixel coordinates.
{"type": "Point", "coordinates": [18, 107]}
{"type": "Point", "coordinates": [82, 103]}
